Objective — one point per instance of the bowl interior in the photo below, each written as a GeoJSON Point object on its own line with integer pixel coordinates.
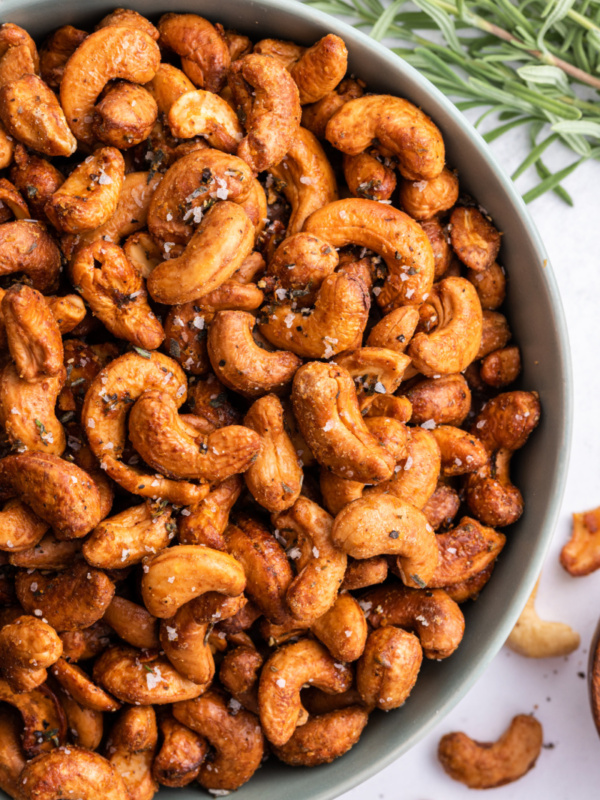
{"type": "Point", "coordinates": [535, 315]}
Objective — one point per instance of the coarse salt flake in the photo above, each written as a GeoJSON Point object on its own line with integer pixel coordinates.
{"type": "Point", "coordinates": [280, 682]}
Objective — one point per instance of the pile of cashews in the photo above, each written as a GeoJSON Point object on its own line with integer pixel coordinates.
{"type": "Point", "coordinates": [256, 436]}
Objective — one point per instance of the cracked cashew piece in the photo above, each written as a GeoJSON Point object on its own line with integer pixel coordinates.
{"type": "Point", "coordinates": [71, 772]}
{"type": "Point", "coordinates": [538, 638]}
{"type": "Point", "coordinates": [486, 765]}
{"type": "Point", "coordinates": [28, 646]}
{"type": "Point", "coordinates": [401, 129]}
{"type": "Point", "coordinates": [581, 554]}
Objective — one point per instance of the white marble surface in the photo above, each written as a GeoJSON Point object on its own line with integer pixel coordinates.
{"type": "Point", "coordinates": [554, 689]}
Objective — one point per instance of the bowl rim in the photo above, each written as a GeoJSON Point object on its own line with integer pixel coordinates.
{"type": "Point", "coordinates": [563, 432]}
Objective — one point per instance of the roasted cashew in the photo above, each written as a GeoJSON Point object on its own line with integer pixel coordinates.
{"type": "Point", "coordinates": [206, 521]}
{"type": "Point", "coordinates": [442, 506]}
{"type": "Point", "coordinates": [369, 178]}
{"type": "Point", "coordinates": [210, 399]}
{"type": "Point", "coordinates": [86, 643]}
{"type": "Point", "coordinates": [167, 85]}
{"type": "Point", "coordinates": [501, 367]}
{"type": "Point", "coordinates": [184, 640]}
{"type": "Point", "coordinates": [13, 205]}
{"type": "Point", "coordinates": [392, 234]}
{"type": "Point", "coordinates": [282, 678]}
{"type": "Point", "coordinates": [7, 149]}
{"type": "Point", "coordinates": [320, 68]}
{"type": "Point", "coordinates": [503, 426]}
{"type": "Point", "coordinates": [474, 239]}
{"type": "Point", "coordinates": [375, 370]}
{"type": "Point", "coordinates": [68, 310]}
{"type": "Point", "coordinates": [67, 600]}
{"type": "Point", "coordinates": [56, 51]}
{"type": "Point", "coordinates": [81, 688]}
{"type": "Point", "coordinates": [324, 738]}
{"type": "Point", "coordinates": [490, 285]}
{"type": "Point", "coordinates": [388, 669]}
{"type": "Point", "coordinates": [454, 342]}
{"type": "Point", "coordinates": [445, 400]}
{"type": "Point", "coordinates": [399, 127]}
{"type": "Point", "coordinates": [486, 765]}
{"type": "Point", "coordinates": [20, 528]}
{"type": "Point", "coordinates": [306, 178]}
{"type": "Point", "coordinates": [239, 673]}
{"type": "Point", "coordinates": [49, 553]}
{"type": "Point", "coordinates": [442, 252]}
{"type": "Point", "coordinates": [33, 334]}
{"type": "Point", "coordinates": [128, 18]}
{"type": "Point", "coordinates": [464, 552]}
{"type": "Point", "coordinates": [125, 115]}
{"type": "Point", "coordinates": [12, 759]}
{"type": "Point", "coordinates": [89, 196]}
{"type": "Point", "coordinates": [74, 772]}
{"type": "Point", "coordinates": [108, 54]}
{"type": "Point", "coordinates": [28, 647]}
{"type": "Point", "coordinates": [174, 446]}
{"type": "Point", "coordinates": [430, 613]}
{"type": "Point", "coordinates": [364, 572]}
{"type": "Point", "coordinates": [195, 570]}
{"type": "Point", "coordinates": [202, 47]}
{"type": "Point", "coordinates": [27, 247]}
{"type": "Point", "coordinates": [223, 240]}
{"type": "Point", "coordinates": [138, 678]}
{"type": "Point", "coordinates": [141, 249]}
{"type": "Point", "coordinates": [41, 711]}
{"type": "Point", "coordinates": [202, 113]}
{"type": "Point", "coordinates": [132, 623]}
{"type": "Point", "coordinates": [395, 407]}
{"type": "Point", "coordinates": [338, 492]}
{"type": "Point", "coordinates": [342, 629]}
{"type": "Point", "coordinates": [128, 537]}
{"type": "Point", "coordinates": [57, 491]}
{"type": "Point", "coordinates": [300, 264]}
{"type": "Point", "coordinates": [461, 452]}
{"type": "Point", "coordinates": [181, 753]}
{"type": "Point", "coordinates": [130, 749]}
{"type": "Point", "coordinates": [423, 199]}
{"type": "Point", "coordinates": [538, 638]}
{"type": "Point", "coordinates": [316, 115]}
{"type": "Point", "coordinates": [326, 408]}
{"type": "Point", "coordinates": [580, 555]}
{"type": "Point", "coordinates": [236, 738]}
{"type": "Point", "coordinates": [238, 360]}
{"type": "Point", "coordinates": [268, 572]}
{"type": "Point", "coordinates": [18, 53]}
{"type": "Point", "coordinates": [320, 562]}
{"type": "Point", "coordinates": [268, 104]}
{"type": "Point", "coordinates": [31, 113]}
{"type": "Point", "coordinates": [85, 726]}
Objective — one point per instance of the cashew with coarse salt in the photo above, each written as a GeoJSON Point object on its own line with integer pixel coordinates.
{"type": "Point", "coordinates": [202, 113]}
{"type": "Point", "coordinates": [56, 51]}
{"type": "Point", "coordinates": [392, 234]}
{"type": "Point", "coordinates": [474, 239]}
{"type": "Point", "coordinates": [445, 400]}
{"type": "Point", "coordinates": [464, 552]}
{"type": "Point", "coordinates": [388, 669]}
{"type": "Point", "coordinates": [369, 178]}
{"type": "Point", "coordinates": [132, 623]}
{"type": "Point", "coordinates": [181, 753]}
{"type": "Point", "coordinates": [18, 53]}
{"type": "Point", "coordinates": [206, 521]}
{"type": "Point", "coordinates": [375, 370]}
{"type": "Point", "coordinates": [74, 680]}
{"type": "Point", "coordinates": [27, 247]}
{"type": "Point", "coordinates": [28, 647]}
{"type": "Point", "coordinates": [167, 85]}
{"type": "Point", "coordinates": [461, 452]}
{"type": "Point", "coordinates": [125, 115]}
{"type": "Point", "coordinates": [184, 640]}
{"type": "Point", "coordinates": [85, 726]}
{"type": "Point", "coordinates": [538, 638]}
{"type": "Point", "coordinates": [239, 673]}
{"type": "Point", "coordinates": [20, 528]}
{"type": "Point", "coordinates": [343, 629]}
{"type": "Point", "coordinates": [202, 47]}
{"type": "Point", "coordinates": [400, 128]}
{"type": "Point", "coordinates": [71, 771]}
{"type": "Point", "coordinates": [424, 199]}
{"type": "Point", "coordinates": [107, 54]}
{"type": "Point", "coordinates": [49, 553]}
{"type": "Point", "coordinates": [395, 330]}
{"type": "Point", "coordinates": [130, 750]}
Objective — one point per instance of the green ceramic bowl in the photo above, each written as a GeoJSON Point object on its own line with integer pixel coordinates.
{"type": "Point", "coordinates": [535, 314]}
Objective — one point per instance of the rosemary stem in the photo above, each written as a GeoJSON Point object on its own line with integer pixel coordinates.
{"type": "Point", "coordinates": [585, 22]}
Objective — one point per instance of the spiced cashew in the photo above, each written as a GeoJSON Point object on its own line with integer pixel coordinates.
{"type": "Point", "coordinates": [72, 771]}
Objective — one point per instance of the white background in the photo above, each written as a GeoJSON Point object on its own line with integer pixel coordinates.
{"type": "Point", "coordinates": [552, 688]}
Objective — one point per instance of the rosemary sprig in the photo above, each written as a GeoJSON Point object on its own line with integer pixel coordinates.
{"type": "Point", "coordinates": [523, 62]}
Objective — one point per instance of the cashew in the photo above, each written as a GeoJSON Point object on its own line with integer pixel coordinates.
{"type": "Point", "coordinates": [455, 340]}
{"type": "Point", "coordinates": [130, 750]}
{"type": "Point", "coordinates": [85, 726]}
{"type": "Point", "coordinates": [68, 600]}
{"type": "Point", "coordinates": [239, 673]}
{"type": "Point", "coordinates": [442, 253]}
{"type": "Point", "coordinates": [236, 738]}
{"type": "Point", "coordinates": [240, 363]}
{"type": "Point", "coordinates": [306, 177]}
{"type": "Point", "coordinates": [128, 537]}
{"type": "Point", "coordinates": [400, 128]}
{"type": "Point", "coordinates": [40, 711]}
{"type": "Point", "coordinates": [393, 406]}
{"type": "Point", "coordinates": [202, 47]}
{"type": "Point", "coordinates": [56, 51]}
{"type": "Point", "coordinates": [282, 678]}
{"type": "Point", "coordinates": [300, 264]}
{"type": "Point", "coordinates": [321, 563]}
{"type": "Point", "coordinates": [7, 149]}
{"type": "Point", "coordinates": [461, 452]}
{"type": "Point", "coordinates": [68, 311]}
{"type": "Point", "coordinates": [374, 370]}
{"type": "Point", "coordinates": [325, 406]}
{"type": "Point", "coordinates": [392, 234]}
{"type": "Point", "coordinates": [12, 760]}
{"type": "Point", "coordinates": [108, 54]}
{"type": "Point", "coordinates": [208, 519]}
{"type": "Point", "coordinates": [223, 240]}
{"type": "Point", "coordinates": [210, 399]}
{"type": "Point", "coordinates": [268, 573]}
{"type": "Point", "coordinates": [28, 647]}
{"type": "Point", "coordinates": [195, 570]}
{"type": "Point", "coordinates": [71, 771]}
{"type": "Point", "coordinates": [338, 492]}
{"type": "Point", "coordinates": [320, 68]}
{"type": "Point", "coordinates": [424, 199]}
{"type": "Point", "coordinates": [537, 638]}
{"type": "Point", "coordinates": [474, 239]}
{"type": "Point", "coordinates": [49, 553]}
{"type": "Point", "coordinates": [442, 506]}
{"type": "Point", "coordinates": [81, 645]}
{"type": "Point", "coordinates": [316, 115]}
{"type": "Point", "coordinates": [185, 643]}
{"type": "Point", "coordinates": [501, 367]}
{"type": "Point", "coordinates": [138, 678]}
{"type": "Point", "coordinates": [485, 765]}
{"type": "Point", "coordinates": [18, 53]}
{"type": "Point", "coordinates": [33, 334]}
{"type": "Point", "coordinates": [369, 178]}
{"type": "Point", "coordinates": [382, 524]}
{"type": "Point", "coordinates": [26, 247]}
{"type": "Point", "coordinates": [324, 738]}
{"type": "Point", "coordinates": [128, 18]}
{"type": "Point", "coordinates": [81, 688]}
{"type": "Point", "coordinates": [132, 623]}
{"type": "Point", "coordinates": [364, 572]}
{"type": "Point", "coordinates": [201, 113]}
{"type": "Point", "coordinates": [445, 400]}
{"type": "Point", "coordinates": [465, 551]}
{"type": "Point", "coordinates": [57, 491]}
{"type": "Point", "coordinates": [31, 113]}
{"type": "Point", "coordinates": [490, 285]}
{"type": "Point", "coordinates": [13, 205]}
{"type": "Point", "coordinates": [181, 754]}
{"type": "Point", "coordinates": [167, 85]}
{"type": "Point", "coordinates": [388, 669]}
{"type": "Point", "coordinates": [581, 555]}
{"type": "Point", "coordinates": [20, 528]}
{"type": "Point", "coordinates": [270, 109]}
{"type": "Point", "coordinates": [125, 115]}
{"type": "Point", "coordinates": [143, 252]}
{"type": "Point", "coordinates": [171, 444]}
{"type": "Point", "coordinates": [342, 629]}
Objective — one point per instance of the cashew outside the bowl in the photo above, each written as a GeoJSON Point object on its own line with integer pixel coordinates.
{"type": "Point", "coordinates": [342, 629]}
{"type": "Point", "coordinates": [73, 771]}
{"type": "Point", "coordinates": [465, 551]}
{"type": "Point", "coordinates": [315, 116]}
{"type": "Point", "coordinates": [130, 750]}
{"type": "Point", "coordinates": [202, 113]}
{"type": "Point", "coordinates": [56, 51]}
{"type": "Point", "coordinates": [235, 736]}
{"type": "Point", "coordinates": [486, 765]}
{"type": "Point", "coordinates": [400, 128]}
{"type": "Point", "coordinates": [392, 234]}
{"type": "Point", "coordinates": [108, 54]}
{"type": "Point", "coordinates": [125, 115]}
{"type": "Point", "coordinates": [267, 98]}
{"type": "Point", "coordinates": [202, 47]}
{"type": "Point", "coordinates": [132, 623]}
{"type": "Point", "coordinates": [423, 199]}
{"type": "Point", "coordinates": [474, 239]}
{"type": "Point", "coordinates": [182, 751]}
{"type": "Point", "coordinates": [581, 554]}
{"type": "Point", "coordinates": [79, 686]}
{"type": "Point", "coordinates": [28, 647]}
{"type": "Point", "coordinates": [369, 178]}
{"type": "Point", "coordinates": [388, 669]}
{"type": "Point", "coordinates": [208, 519]}
{"type": "Point", "coordinates": [40, 710]}
{"type": "Point", "coordinates": [27, 247]}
